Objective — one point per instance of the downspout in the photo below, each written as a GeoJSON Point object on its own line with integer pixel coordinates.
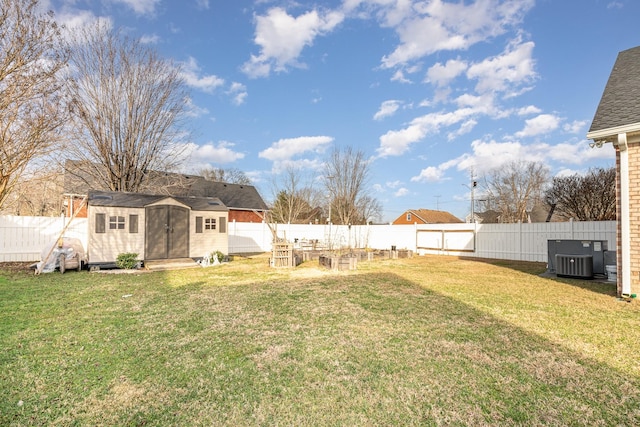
{"type": "Point", "coordinates": [625, 221]}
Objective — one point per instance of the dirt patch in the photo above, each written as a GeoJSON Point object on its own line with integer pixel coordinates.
{"type": "Point", "coordinates": [16, 267]}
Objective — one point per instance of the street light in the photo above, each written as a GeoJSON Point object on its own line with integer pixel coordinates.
{"type": "Point", "coordinates": [471, 188]}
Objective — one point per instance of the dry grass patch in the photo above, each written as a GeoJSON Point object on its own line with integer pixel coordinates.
{"type": "Point", "coordinates": [422, 341]}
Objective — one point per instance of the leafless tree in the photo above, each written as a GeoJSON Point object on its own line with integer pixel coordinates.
{"type": "Point", "coordinates": [346, 179]}
{"type": "Point", "coordinates": [589, 197]}
{"type": "Point", "coordinates": [513, 189]}
{"type": "Point", "coordinates": [232, 176]}
{"type": "Point", "coordinates": [37, 193]}
{"type": "Point", "coordinates": [296, 200]}
{"type": "Point", "coordinates": [128, 104]}
{"type": "Point", "coordinates": [31, 105]}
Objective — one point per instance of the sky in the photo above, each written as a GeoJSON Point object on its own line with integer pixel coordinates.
{"type": "Point", "coordinates": [432, 91]}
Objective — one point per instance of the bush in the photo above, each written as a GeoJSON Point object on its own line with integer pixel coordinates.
{"type": "Point", "coordinates": [217, 254]}
{"type": "Point", "coordinates": [127, 261]}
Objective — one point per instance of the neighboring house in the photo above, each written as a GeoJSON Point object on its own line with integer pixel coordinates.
{"type": "Point", "coordinates": [426, 216]}
{"type": "Point", "coordinates": [539, 213]}
{"type": "Point", "coordinates": [154, 226]}
{"type": "Point", "coordinates": [244, 202]}
{"type": "Point", "coordinates": [617, 121]}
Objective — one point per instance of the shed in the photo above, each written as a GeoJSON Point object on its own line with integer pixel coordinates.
{"type": "Point", "coordinates": [156, 227]}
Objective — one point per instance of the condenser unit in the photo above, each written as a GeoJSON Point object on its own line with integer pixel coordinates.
{"type": "Point", "coordinates": [574, 266]}
{"type": "Point", "coordinates": [597, 249]}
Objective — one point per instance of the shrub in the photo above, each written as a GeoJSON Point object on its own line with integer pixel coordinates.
{"type": "Point", "coordinates": [217, 254]}
{"type": "Point", "coordinates": [127, 260]}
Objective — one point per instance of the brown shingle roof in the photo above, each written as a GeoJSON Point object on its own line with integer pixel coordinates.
{"type": "Point", "coordinates": [428, 216]}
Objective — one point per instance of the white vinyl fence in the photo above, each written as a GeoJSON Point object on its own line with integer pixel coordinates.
{"type": "Point", "coordinates": [24, 238]}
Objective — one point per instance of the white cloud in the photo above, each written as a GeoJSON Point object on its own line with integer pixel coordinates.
{"type": "Point", "coordinates": [441, 75]}
{"type": "Point", "coordinates": [150, 39]}
{"type": "Point", "coordinates": [428, 27]}
{"type": "Point", "coordinates": [238, 92]}
{"type": "Point", "coordinates": [387, 108]}
{"type": "Point", "coordinates": [191, 75]}
{"type": "Point", "coordinates": [141, 7]}
{"type": "Point", "coordinates": [396, 143]}
{"type": "Point", "coordinates": [202, 4]}
{"type": "Point", "coordinates": [539, 125]}
{"type": "Point", "coordinates": [282, 38]}
{"type": "Point", "coordinates": [285, 149]}
{"type": "Point", "coordinates": [577, 126]}
{"type": "Point", "coordinates": [220, 153]}
{"type": "Point", "coordinates": [528, 110]}
{"type": "Point", "coordinates": [401, 192]}
{"type": "Point", "coordinates": [398, 76]}
{"type": "Point", "coordinates": [579, 152]}
{"type": "Point", "coordinates": [192, 110]}
{"type": "Point", "coordinates": [507, 72]}
{"type": "Point", "coordinates": [429, 174]}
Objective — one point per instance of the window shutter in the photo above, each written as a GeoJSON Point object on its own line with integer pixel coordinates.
{"type": "Point", "coordinates": [198, 224]}
{"type": "Point", "coordinates": [101, 220]}
{"type": "Point", "coordinates": [223, 225]}
{"type": "Point", "coordinates": [133, 223]}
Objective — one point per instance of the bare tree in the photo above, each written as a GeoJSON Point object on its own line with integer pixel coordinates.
{"type": "Point", "coordinates": [513, 189]}
{"type": "Point", "coordinates": [589, 197]}
{"type": "Point", "coordinates": [296, 201]}
{"type": "Point", "coordinates": [37, 193]}
{"type": "Point", "coordinates": [232, 176]}
{"type": "Point", "coordinates": [31, 105]}
{"type": "Point", "coordinates": [128, 104]}
{"type": "Point", "coordinates": [346, 178]}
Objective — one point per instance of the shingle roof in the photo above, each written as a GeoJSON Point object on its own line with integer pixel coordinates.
{"type": "Point", "coordinates": [435, 217]}
{"type": "Point", "coordinates": [138, 200]}
{"type": "Point", "coordinates": [235, 196]}
{"type": "Point", "coordinates": [620, 102]}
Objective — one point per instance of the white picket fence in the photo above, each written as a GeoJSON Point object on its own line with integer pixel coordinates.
{"type": "Point", "coordinates": [24, 238]}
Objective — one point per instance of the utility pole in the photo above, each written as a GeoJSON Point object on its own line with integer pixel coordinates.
{"type": "Point", "coordinates": [474, 184]}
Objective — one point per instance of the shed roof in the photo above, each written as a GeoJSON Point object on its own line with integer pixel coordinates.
{"type": "Point", "coordinates": [79, 180]}
{"type": "Point", "coordinates": [619, 107]}
{"type": "Point", "coordinates": [137, 200]}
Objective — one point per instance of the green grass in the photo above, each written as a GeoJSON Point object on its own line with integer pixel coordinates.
{"type": "Point", "coordinates": [421, 341]}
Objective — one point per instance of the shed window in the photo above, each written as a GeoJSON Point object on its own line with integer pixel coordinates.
{"type": "Point", "coordinates": [209, 223]}
{"type": "Point", "coordinates": [116, 223]}
{"type": "Point", "coordinates": [409, 216]}
{"type": "Point", "coordinates": [133, 223]}
{"type": "Point", "coordinates": [101, 220]}
{"type": "Point", "coordinates": [223, 224]}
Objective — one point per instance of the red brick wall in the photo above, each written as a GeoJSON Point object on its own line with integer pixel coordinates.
{"type": "Point", "coordinates": [244, 216]}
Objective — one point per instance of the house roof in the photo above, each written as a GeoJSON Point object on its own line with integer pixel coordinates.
{"type": "Point", "coordinates": [429, 216]}
{"type": "Point", "coordinates": [237, 196]}
{"type": "Point", "coordinates": [138, 200]}
{"type": "Point", "coordinates": [79, 181]}
{"type": "Point", "coordinates": [619, 107]}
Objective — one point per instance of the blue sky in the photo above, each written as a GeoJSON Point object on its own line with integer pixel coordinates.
{"type": "Point", "coordinates": [429, 89]}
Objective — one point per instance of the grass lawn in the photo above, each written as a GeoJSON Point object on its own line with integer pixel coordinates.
{"type": "Point", "coordinates": [420, 341]}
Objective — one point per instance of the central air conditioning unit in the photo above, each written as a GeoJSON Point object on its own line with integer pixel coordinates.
{"type": "Point", "coordinates": [569, 258]}
{"type": "Point", "coordinates": [574, 266]}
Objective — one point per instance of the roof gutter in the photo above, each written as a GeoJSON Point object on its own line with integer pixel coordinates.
{"type": "Point", "coordinates": [611, 134]}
